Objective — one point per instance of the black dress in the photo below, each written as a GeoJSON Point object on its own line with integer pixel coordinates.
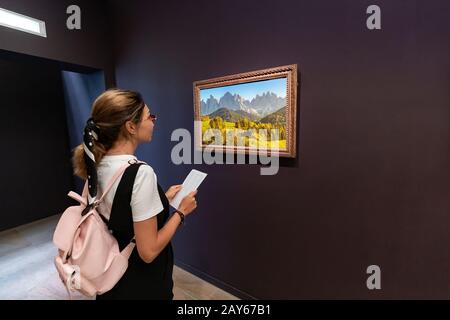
{"type": "Point", "coordinates": [152, 281]}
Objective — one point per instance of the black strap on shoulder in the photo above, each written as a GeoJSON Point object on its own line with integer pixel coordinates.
{"type": "Point", "coordinates": [120, 220]}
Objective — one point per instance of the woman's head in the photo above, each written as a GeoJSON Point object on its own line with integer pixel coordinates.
{"type": "Point", "coordinates": [120, 116]}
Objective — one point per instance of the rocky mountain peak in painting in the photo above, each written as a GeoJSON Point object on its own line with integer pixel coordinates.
{"type": "Point", "coordinates": [209, 106]}
{"type": "Point", "coordinates": [260, 105]}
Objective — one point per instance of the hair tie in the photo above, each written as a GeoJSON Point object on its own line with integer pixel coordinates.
{"type": "Point", "coordinates": [91, 132]}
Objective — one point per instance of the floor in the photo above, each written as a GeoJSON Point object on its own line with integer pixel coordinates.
{"type": "Point", "coordinates": [27, 270]}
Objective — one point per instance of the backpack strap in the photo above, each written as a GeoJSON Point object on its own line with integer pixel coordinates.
{"type": "Point", "coordinates": [120, 219]}
{"type": "Point", "coordinates": [118, 173]}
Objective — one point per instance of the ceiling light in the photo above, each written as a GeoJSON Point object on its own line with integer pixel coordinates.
{"type": "Point", "coordinates": [23, 23]}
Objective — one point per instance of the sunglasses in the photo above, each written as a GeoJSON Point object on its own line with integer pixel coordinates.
{"type": "Point", "coordinates": [152, 117]}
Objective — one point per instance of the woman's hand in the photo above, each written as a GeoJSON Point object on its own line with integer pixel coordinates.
{"type": "Point", "coordinates": [189, 203]}
{"type": "Point", "coordinates": [173, 191]}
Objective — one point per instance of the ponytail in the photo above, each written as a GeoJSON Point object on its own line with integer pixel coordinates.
{"type": "Point", "coordinates": [110, 111]}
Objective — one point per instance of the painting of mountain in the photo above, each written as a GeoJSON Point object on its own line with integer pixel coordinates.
{"type": "Point", "coordinates": [267, 103]}
{"type": "Point", "coordinates": [209, 106]}
{"type": "Point", "coordinates": [276, 117]}
{"type": "Point", "coordinates": [254, 108]}
{"type": "Point", "coordinates": [233, 115]}
{"type": "Point", "coordinates": [260, 105]}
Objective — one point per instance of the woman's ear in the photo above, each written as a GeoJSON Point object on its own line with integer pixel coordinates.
{"type": "Point", "coordinates": [131, 127]}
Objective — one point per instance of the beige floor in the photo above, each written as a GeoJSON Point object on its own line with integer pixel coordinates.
{"type": "Point", "coordinates": [27, 270]}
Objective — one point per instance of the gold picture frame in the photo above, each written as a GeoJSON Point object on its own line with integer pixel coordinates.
{"type": "Point", "coordinates": [229, 102]}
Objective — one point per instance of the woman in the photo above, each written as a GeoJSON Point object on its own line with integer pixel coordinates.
{"type": "Point", "coordinates": [136, 205]}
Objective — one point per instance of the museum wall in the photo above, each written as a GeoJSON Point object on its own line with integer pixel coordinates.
{"type": "Point", "coordinates": [370, 185]}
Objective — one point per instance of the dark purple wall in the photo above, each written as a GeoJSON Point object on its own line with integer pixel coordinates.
{"type": "Point", "coordinates": [371, 183]}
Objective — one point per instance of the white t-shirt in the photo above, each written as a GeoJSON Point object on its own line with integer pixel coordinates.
{"type": "Point", "coordinates": [145, 200]}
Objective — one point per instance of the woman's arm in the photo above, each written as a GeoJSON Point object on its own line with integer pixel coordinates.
{"type": "Point", "coordinates": [149, 241]}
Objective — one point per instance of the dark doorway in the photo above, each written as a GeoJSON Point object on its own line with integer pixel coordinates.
{"type": "Point", "coordinates": [44, 104]}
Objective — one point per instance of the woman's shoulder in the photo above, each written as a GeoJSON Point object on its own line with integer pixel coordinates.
{"type": "Point", "coordinates": [145, 180]}
{"type": "Point", "coordinates": [117, 158]}
{"type": "Point", "coordinates": [146, 170]}
{"type": "Point", "coordinates": [113, 162]}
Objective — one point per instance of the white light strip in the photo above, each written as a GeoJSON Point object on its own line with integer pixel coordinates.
{"type": "Point", "coordinates": [23, 23]}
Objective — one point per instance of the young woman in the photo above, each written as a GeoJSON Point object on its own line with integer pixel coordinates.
{"type": "Point", "coordinates": [136, 205]}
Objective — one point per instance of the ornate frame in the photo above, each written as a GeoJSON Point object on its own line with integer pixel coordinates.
{"type": "Point", "coordinates": [289, 72]}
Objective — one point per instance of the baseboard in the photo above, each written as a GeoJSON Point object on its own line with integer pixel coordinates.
{"type": "Point", "coordinates": [220, 284]}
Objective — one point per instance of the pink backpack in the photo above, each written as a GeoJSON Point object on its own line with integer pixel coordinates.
{"type": "Point", "coordinates": [89, 260]}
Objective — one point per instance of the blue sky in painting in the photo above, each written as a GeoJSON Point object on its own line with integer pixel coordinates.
{"type": "Point", "coordinates": [248, 90]}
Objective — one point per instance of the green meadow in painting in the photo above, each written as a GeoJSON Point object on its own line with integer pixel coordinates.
{"type": "Point", "coordinates": [247, 107]}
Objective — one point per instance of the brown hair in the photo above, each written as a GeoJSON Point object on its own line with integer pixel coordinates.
{"type": "Point", "coordinates": [110, 111]}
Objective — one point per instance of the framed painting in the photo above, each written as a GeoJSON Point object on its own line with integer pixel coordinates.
{"type": "Point", "coordinates": [251, 112]}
